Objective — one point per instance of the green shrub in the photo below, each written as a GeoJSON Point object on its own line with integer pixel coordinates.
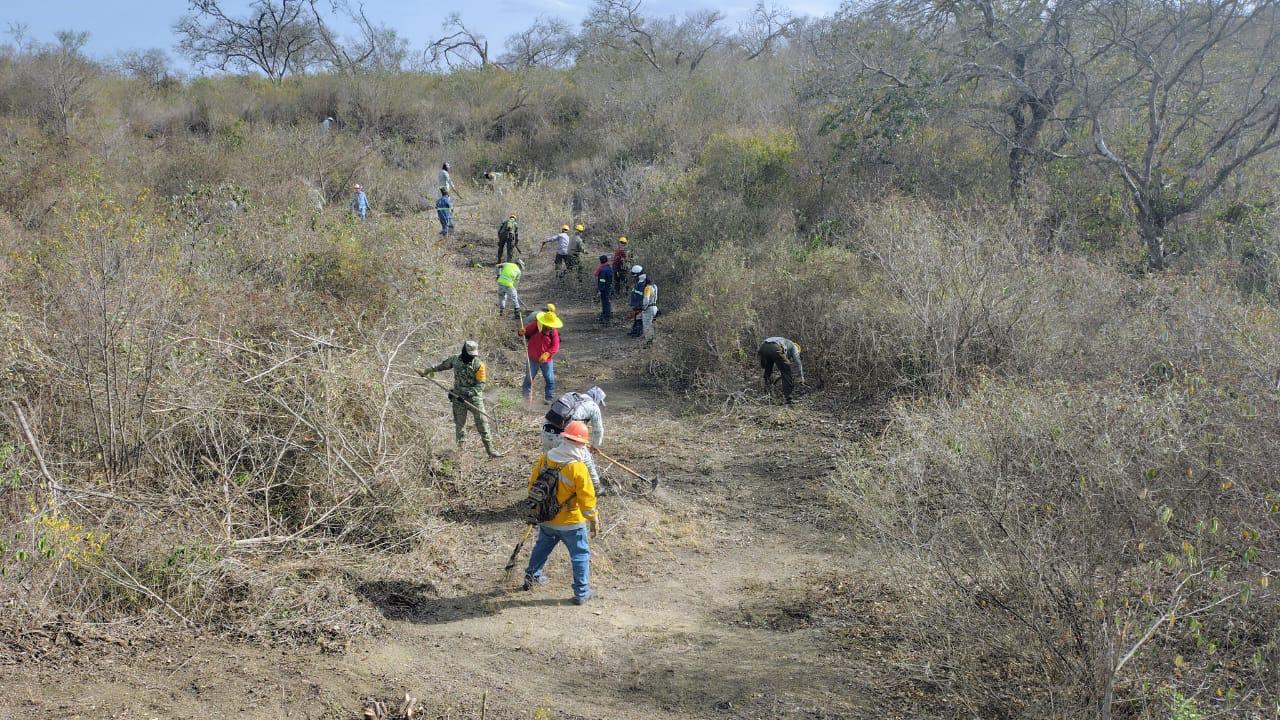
{"type": "Point", "coordinates": [752, 163]}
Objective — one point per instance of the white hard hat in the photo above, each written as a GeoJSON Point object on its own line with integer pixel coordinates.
{"type": "Point", "coordinates": [636, 269]}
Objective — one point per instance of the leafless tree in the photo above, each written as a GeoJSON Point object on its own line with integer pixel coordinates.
{"type": "Point", "coordinates": [548, 42]}
{"type": "Point", "coordinates": [344, 56]}
{"type": "Point", "coordinates": [768, 26]}
{"type": "Point", "coordinates": [1202, 81]}
{"type": "Point", "coordinates": [618, 26]}
{"type": "Point", "coordinates": [372, 47]}
{"type": "Point", "coordinates": [61, 74]}
{"type": "Point", "coordinates": [460, 46]}
{"type": "Point", "coordinates": [1017, 55]}
{"type": "Point", "coordinates": [150, 66]}
{"type": "Point", "coordinates": [277, 37]}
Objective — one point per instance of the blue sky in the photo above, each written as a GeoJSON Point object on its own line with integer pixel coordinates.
{"type": "Point", "coordinates": [116, 25]}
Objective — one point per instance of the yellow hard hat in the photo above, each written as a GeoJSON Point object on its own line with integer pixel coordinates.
{"type": "Point", "coordinates": [580, 227]}
{"type": "Point", "coordinates": [551, 308]}
{"type": "Point", "coordinates": [622, 240]}
{"type": "Point", "coordinates": [549, 319]}
{"type": "Point", "coordinates": [564, 228]}
{"type": "Point", "coordinates": [797, 346]}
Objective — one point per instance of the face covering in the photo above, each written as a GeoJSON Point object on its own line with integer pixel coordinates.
{"type": "Point", "coordinates": [567, 452]}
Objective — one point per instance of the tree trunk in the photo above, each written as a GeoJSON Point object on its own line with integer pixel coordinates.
{"type": "Point", "coordinates": [1017, 172]}
{"type": "Point", "coordinates": [1152, 230]}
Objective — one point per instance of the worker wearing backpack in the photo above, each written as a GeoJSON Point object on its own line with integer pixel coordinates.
{"type": "Point", "coordinates": [565, 514]}
{"type": "Point", "coordinates": [586, 407]}
{"type": "Point", "coordinates": [636, 301]}
{"type": "Point", "coordinates": [508, 239]}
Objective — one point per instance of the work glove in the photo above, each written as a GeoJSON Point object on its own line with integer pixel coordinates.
{"type": "Point", "coordinates": [593, 524]}
{"type": "Point", "coordinates": [453, 397]}
{"type": "Point", "coordinates": [544, 357]}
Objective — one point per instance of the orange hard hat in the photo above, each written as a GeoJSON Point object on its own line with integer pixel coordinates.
{"type": "Point", "coordinates": [577, 432]}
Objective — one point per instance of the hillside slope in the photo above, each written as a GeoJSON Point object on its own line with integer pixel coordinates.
{"type": "Point", "coordinates": [690, 619]}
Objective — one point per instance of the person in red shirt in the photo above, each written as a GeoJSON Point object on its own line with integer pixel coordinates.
{"type": "Point", "coordinates": [542, 337]}
{"type": "Point", "coordinates": [619, 263]}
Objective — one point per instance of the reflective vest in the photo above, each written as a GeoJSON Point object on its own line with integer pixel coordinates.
{"type": "Point", "coordinates": [508, 274]}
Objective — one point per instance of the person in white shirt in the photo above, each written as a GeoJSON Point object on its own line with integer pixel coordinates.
{"type": "Point", "coordinates": [585, 406]}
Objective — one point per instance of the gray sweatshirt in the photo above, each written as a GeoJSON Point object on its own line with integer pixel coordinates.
{"type": "Point", "coordinates": [792, 351]}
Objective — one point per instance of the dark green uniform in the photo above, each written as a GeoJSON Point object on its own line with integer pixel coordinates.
{"type": "Point", "coordinates": [468, 385]}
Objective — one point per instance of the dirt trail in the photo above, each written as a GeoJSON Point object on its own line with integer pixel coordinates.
{"type": "Point", "coordinates": [679, 577]}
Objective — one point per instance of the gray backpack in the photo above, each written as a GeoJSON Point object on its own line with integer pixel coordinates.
{"type": "Point", "coordinates": [562, 410]}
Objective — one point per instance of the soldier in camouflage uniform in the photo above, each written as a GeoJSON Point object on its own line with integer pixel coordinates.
{"type": "Point", "coordinates": [467, 395]}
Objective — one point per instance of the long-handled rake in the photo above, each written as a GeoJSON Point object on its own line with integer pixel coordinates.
{"type": "Point", "coordinates": [440, 385]}
{"type": "Point", "coordinates": [509, 570]}
{"type": "Point", "coordinates": [651, 481]}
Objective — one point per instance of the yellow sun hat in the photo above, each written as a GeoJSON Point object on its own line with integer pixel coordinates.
{"type": "Point", "coordinates": [549, 319]}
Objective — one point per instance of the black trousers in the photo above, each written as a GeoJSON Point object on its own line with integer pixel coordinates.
{"type": "Point", "coordinates": [506, 245]}
{"type": "Point", "coordinates": [773, 355]}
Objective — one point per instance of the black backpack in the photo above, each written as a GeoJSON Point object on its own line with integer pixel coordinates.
{"type": "Point", "coordinates": [562, 410]}
{"type": "Point", "coordinates": [541, 504]}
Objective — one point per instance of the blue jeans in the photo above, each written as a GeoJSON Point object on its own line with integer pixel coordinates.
{"type": "Point", "coordinates": [606, 303]}
{"type": "Point", "coordinates": [548, 373]}
{"type": "Point", "coordinates": [575, 541]}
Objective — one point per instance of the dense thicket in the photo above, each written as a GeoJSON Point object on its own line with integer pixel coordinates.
{"type": "Point", "coordinates": [1039, 237]}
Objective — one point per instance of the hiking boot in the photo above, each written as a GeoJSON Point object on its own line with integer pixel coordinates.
{"type": "Point", "coordinates": [533, 581]}
{"type": "Point", "coordinates": [582, 599]}
{"type": "Point", "coordinates": [546, 401]}
{"type": "Point", "coordinates": [492, 453]}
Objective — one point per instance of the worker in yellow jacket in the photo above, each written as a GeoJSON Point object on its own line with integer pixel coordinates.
{"type": "Point", "coordinates": [577, 515]}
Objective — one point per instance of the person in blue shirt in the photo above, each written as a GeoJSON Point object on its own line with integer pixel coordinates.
{"type": "Point", "coordinates": [604, 285]}
{"type": "Point", "coordinates": [444, 211]}
{"type": "Point", "coordinates": [360, 203]}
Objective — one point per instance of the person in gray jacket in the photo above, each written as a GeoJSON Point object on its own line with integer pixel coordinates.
{"type": "Point", "coordinates": [585, 406]}
{"type": "Point", "coordinates": [783, 354]}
